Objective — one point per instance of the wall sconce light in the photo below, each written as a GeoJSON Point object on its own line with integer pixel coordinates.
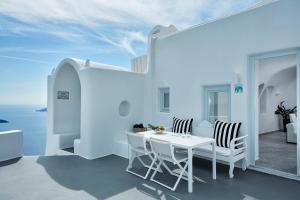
{"type": "Point", "coordinates": [238, 87]}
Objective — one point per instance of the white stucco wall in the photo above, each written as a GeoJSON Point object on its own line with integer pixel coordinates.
{"type": "Point", "coordinates": [185, 61]}
{"type": "Point", "coordinates": [213, 53]}
{"type": "Point", "coordinates": [102, 125]}
{"type": "Point", "coordinates": [270, 66]}
{"type": "Point", "coordinates": [102, 128]}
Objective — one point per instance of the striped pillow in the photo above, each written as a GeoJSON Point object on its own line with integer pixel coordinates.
{"type": "Point", "coordinates": [225, 132]}
{"type": "Point", "coordinates": [182, 126]}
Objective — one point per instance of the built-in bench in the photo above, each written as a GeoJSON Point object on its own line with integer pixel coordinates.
{"type": "Point", "coordinates": [236, 152]}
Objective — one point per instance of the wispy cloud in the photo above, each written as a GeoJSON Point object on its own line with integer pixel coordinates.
{"type": "Point", "coordinates": [24, 59]}
{"type": "Point", "coordinates": [133, 12]}
{"type": "Point", "coordinates": [62, 18]}
{"type": "Point", "coordinates": [25, 50]}
{"type": "Point", "coordinates": [124, 41]}
{"type": "Point", "coordinates": [36, 33]}
{"type": "Point", "coordinates": [130, 38]}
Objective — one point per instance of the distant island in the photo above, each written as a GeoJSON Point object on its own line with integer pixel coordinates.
{"type": "Point", "coordinates": [3, 121]}
{"type": "Point", "coordinates": [41, 110]}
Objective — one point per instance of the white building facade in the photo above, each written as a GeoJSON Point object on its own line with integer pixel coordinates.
{"type": "Point", "coordinates": [92, 105]}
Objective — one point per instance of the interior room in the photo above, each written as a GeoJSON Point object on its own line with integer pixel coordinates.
{"type": "Point", "coordinates": [277, 100]}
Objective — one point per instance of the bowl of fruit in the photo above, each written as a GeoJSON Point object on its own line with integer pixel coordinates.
{"type": "Point", "coordinates": [158, 129]}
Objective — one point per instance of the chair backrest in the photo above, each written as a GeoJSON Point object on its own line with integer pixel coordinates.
{"type": "Point", "coordinates": [136, 140]}
{"type": "Point", "coordinates": [162, 147]}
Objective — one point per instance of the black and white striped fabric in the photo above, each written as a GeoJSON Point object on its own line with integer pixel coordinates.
{"type": "Point", "coordinates": [224, 132]}
{"type": "Point", "coordinates": [182, 125]}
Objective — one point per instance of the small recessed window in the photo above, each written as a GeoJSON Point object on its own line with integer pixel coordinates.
{"type": "Point", "coordinates": [217, 103]}
{"type": "Point", "coordinates": [164, 99]}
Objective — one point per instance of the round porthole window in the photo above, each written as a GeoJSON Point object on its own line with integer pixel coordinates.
{"type": "Point", "coordinates": [124, 108]}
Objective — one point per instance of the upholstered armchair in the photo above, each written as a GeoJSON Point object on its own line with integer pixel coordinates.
{"type": "Point", "coordinates": [292, 129]}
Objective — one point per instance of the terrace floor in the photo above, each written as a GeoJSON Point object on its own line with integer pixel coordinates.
{"type": "Point", "coordinates": [72, 177]}
{"type": "Point", "coordinates": [276, 153]}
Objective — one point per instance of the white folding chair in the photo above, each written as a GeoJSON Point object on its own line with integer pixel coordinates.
{"type": "Point", "coordinates": [164, 151]}
{"type": "Point", "coordinates": [139, 148]}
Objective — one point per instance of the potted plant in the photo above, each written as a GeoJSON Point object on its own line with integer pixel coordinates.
{"type": "Point", "coordinates": [285, 114]}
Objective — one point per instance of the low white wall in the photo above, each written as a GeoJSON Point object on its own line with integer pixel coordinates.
{"type": "Point", "coordinates": [11, 144]}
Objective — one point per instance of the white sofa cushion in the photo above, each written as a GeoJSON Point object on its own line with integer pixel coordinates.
{"type": "Point", "coordinates": [203, 129]}
{"type": "Point", "coordinates": [291, 132]}
{"type": "Point", "coordinates": [293, 118]}
{"type": "Point", "coordinates": [292, 128]}
{"type": "Point", "coordinates": [219, 150]}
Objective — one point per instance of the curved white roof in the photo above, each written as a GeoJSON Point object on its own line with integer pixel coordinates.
{"type": "Point", "coordinates": [79, 64]}
{"type": "Point", "coordinates": [87, 63]}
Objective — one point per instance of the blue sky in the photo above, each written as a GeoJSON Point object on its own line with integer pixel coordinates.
{"type": "Point", "coordinates": [36, 35]}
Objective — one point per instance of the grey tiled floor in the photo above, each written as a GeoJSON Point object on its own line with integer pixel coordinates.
{"type": "Point", "coordinates": [276, 153]}
{"type": "Point", "coordinates": [72, 177]}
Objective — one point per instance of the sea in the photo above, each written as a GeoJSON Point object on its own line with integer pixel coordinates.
{"type": "Point", "coordinates": [32, 122]}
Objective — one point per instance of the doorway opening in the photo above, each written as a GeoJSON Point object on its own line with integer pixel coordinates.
{"type": "Point", "coordinates": [273, 98]}
{"type": "Point", "coordinates": [277, 100]}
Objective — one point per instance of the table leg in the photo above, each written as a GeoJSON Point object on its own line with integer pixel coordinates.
{"type": "Point", "coordinates": [190, 170]}
{"type": "Point", "coordinates": [214, 161]}
{"type": "Point", "coordinates": [129, 157]}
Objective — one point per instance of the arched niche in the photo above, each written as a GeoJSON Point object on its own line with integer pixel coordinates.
{"type": "Point", "coordinates": [67, 105]}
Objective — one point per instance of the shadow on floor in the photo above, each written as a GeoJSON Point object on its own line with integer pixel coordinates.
{"type": "Point", "coordinates": [70, 150]}
{"type": "Point", "coordinates": [106, 178]}
{"type": "Point", "coordinates": [102, 178]}
{"type": "Point", "coordinates": [9, 162]}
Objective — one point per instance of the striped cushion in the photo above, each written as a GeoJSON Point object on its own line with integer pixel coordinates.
{"type": "Point", "coordinates": [182, 126]}
{"type": "Point", "coordinates": [224, 132]}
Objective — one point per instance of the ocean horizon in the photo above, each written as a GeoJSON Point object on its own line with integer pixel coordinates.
{"type": "Point", "coordinates": [32, 122]}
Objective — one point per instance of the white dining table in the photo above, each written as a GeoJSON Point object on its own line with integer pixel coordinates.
{"type": "Point", "coordinates": [189, 142]}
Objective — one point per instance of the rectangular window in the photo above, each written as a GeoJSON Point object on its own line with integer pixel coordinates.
{"type": "Point", "coordinates": [217, 103]}
{"type": "Point", "coordinates": [164, 99]}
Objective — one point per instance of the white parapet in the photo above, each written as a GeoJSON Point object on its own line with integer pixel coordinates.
{"type": "Point", "coordinates": [11, 144]}
{"type": "Point", "coordinates": [139, 64]}
{"type": "Point", "coordinates": [121, 148]}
